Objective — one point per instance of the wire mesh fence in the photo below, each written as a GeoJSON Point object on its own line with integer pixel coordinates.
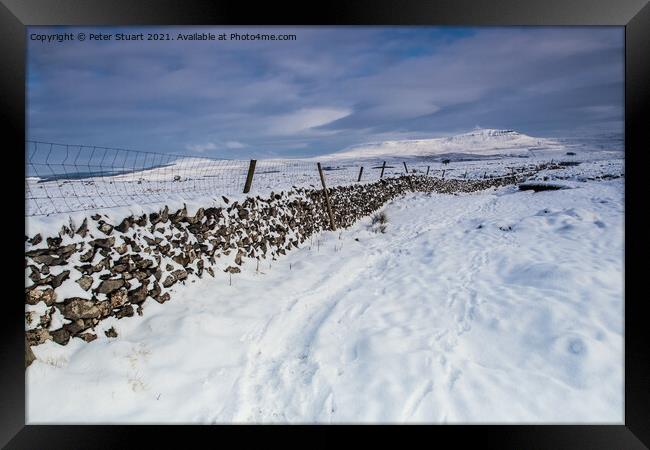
{"type": "Point", "coordinates": [64, 178]}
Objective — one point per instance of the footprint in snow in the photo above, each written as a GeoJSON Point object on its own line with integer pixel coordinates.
{"type": "Point", "coordinates": [577, 346]}
{"type": "Point", "coordinates": [453, 378]}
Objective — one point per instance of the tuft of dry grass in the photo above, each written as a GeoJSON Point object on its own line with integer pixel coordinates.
{"type": "Point", "coordinates": [378, 222]}
{"type": "Point", "coordinates": [379, 218]}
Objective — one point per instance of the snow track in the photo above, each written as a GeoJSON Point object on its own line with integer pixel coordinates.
{"type": "Point", "coordinates": [493, 307]}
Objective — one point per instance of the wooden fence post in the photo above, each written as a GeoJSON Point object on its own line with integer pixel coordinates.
{"type": "Point", "coordinates": [360, 172]}
{"type": "Point", "coordinates": [465, 175]}
{"type": "Point", "coordinates": [382, 170]}
{"type": "Point", "coordinates": [443, 173]}
{"type": "Point", "coordinates": [327, 197]}
{"type": "Point", "coordinates": [249, 176]}
{"type": "Point", "coordinates": [428, 167]}
{"type": "Point", "coordinates": [405, 168]}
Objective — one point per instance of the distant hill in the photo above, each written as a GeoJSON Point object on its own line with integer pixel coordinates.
{"type": "Point", "coordinates": [480, 142]}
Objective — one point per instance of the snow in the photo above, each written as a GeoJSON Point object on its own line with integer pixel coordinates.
{"type": "Point", "coordinates": [503, 306]}
{"type": "Point", "coordinates": [479, 142]}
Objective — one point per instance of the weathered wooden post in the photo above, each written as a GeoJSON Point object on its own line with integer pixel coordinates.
{"type": "Point", "coordinates": [405, 168]}
{"type": "Point", "coordinates": [443, 173]}
{"type": "Point", "coordinates": [382, 170]}
{"type": "Point", "coordinates": [327, 197]}
{"type": "Point", "coordinates": [428, 167]}
{"type": "Point", "coordinates": [249, 176]}
{"type": "Point", "coordinates": [360, 172]}
{"type": "Point", "coordinates": [484, 174]}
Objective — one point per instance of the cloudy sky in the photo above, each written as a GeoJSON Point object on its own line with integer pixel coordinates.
{"type": "Point", "coordinates": [330, 88]}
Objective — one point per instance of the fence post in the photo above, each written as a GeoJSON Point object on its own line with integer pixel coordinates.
{"type": "Point", "coordinates": [327, 197]}
{"type": "Point", "coordinates": [360, 172]}
{"type": "Point", "coordinates": [484, 174]}
{"type": "Point", "coordinates": [382, 170]}
{"type": "Point", "coordinates": [465, 175]}
{"type": "Point", "coordinates": [249, 176]}
{"type": "Point", "coordinates": [428, 167]}
{"type": "Point", "coordinates": [405, 168]}
{"type": "Point", "coordinates": [443, 173]}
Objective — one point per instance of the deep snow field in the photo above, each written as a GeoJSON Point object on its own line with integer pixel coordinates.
{"type": "Point", "coordinates": [503, 306]}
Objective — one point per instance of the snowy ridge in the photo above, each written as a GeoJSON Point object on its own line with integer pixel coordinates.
{"type": "Point", "coordinates": [480, 142]}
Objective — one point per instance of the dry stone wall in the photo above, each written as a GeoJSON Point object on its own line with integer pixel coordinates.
{"type": "Point", "coordinates": [99, 269]}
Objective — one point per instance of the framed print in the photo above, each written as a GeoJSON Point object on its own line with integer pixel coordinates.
{"type": "Point", "coordinates": [379, 214]}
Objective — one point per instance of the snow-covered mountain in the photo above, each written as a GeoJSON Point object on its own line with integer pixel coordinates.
{"type": "Point", "coordinates": [485, 142]}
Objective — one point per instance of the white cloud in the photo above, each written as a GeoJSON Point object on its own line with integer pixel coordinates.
{"type": "Point", "coordinates": [304, 119]}
{"type": "Point", "coordinates": [209, 146]}
{"type": "Point", "coordinates": [200, 148]}
{"type": "Point", "coordinates": [234, 144]}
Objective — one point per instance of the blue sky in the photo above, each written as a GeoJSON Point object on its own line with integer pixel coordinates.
{"type": "Point", "coordinates": [330, 88]}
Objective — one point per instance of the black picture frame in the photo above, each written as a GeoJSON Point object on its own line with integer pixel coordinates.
{"type": "Point", "coordinates": [634, 15]}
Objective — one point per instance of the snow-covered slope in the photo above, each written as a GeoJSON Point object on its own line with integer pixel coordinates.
{"type": "Point", "coordinates": [493, 307]}
{"type": "Point", "coordinates": [477, 142]}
